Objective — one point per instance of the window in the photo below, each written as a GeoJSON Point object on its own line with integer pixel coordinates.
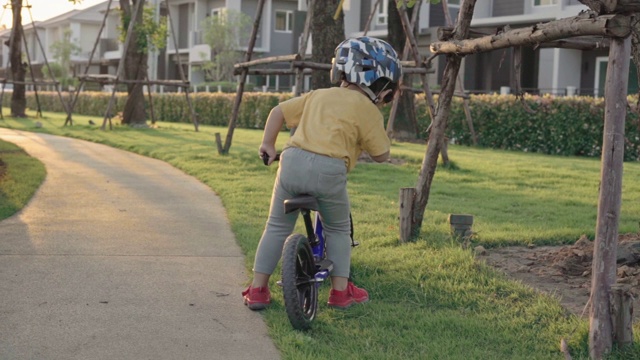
{"type": "Point", "coordinates": [382, 12]}
{"type": "Point", "coordinates": [284, 21]}
{"type": "Point", "coordinates": [601, 76]}
{"type": "Point", "coordinates": [454, 3]}
{"type": "Point", "coordinates": [217, 14]}
{"type": "Point", "coordinates": [544, 2]}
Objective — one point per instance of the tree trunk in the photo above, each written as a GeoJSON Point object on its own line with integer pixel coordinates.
{"type": "Point", "coordinates": [436, 136]}
{"type": "Point", "coordinates": [326, 34]}
{"type": "Point", "coordinates": [135, 68]}
{"type": "Point", "coordinates": [18, 69]}
{"type": "Point", "coordinates": [581, 25]}
{"type": "Point", "coordinates": [635, 53]}
{"type": "Point", "coordinates": [605, 244]}
{"type": "Point", "coordinates": [405, 123]}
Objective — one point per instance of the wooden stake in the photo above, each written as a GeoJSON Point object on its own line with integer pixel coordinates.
{"type": "Point", "coordinates": [622, 313]}
{"type": "Point", "coordinates": [406, 213]}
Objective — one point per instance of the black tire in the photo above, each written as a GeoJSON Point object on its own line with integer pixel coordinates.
{"type": "Point", "coordinates": [298, 282]}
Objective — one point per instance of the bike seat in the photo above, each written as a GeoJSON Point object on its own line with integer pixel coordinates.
{"type": "Point", "coordinates": [300, 202]}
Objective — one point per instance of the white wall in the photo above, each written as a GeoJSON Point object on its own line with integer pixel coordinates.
{"type": "Point", "coordinates": [482, 9]}
{"type": "Point", "coordinates": [352, 16]}
{"type": "Point", "coordinates": [567, 68]}
{"type": "Point", "coordinates": [545, 72]}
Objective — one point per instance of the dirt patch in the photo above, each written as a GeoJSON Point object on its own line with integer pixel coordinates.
{"type": "Point", "coordinates": [565, 271]}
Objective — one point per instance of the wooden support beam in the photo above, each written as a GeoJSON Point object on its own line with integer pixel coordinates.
{"type": "Point", "coordinates": [302, 47]}
{"type": "Point", "coordinates": [618, 26]}
{"type": "Point", "coordinates": [460, 85]}
{"type": "Point", "coordinates": [446, 33]}
{"type": "Point", "coordinates": [437, 92]}
{"type": "Point", "coordinates": [576, 43]}
{"type": "Point", "coordinates": [412, 45]}
{"type": "Point", "coordinates": [35, 82]}
{"type": "Point", "coordinates": [606, 242]}
{"type": "Point", "coordinates": [585, 43]}
{"type": "Point", "coordinates": [243, 79]}
{"type": "Point", "coordinates": [275, 72]}
{"type": "Point", "coordinates": [408, 67]}
{"type": "Point", "coordinates": [111, 79]}
{"type": "Point", "coordinates": [74, 100]}
{"type": "Point", "coordinates": [267, 60]}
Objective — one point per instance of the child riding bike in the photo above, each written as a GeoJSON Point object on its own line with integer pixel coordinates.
{"type": "Point", "coordinates": [333, 127]}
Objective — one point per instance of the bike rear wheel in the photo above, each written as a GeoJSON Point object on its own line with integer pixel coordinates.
{"type": "Point", "coordinates": [299, 287]}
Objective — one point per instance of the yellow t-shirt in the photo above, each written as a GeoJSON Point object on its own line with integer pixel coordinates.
{"type": "Point", "coordinates": [336, 122]}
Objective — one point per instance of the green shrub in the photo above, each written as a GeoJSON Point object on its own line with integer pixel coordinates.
{"type": "Point", "coordinates": [570, 126]}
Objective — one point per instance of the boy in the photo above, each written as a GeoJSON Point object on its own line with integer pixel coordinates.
{"type": "Point", "coordinates": [333, 126]}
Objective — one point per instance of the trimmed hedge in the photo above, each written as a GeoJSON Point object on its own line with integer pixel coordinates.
{"type": "Point", "coordinates": [570, 126]}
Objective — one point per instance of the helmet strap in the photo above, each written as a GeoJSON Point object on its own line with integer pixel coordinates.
{"type": "Point", "coordinates": [370, 93]}
{"type": "Point", "coordinates": [376, 98]}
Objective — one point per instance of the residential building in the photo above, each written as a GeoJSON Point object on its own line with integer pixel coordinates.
{"type": "Point", "coordinates": [544, 70]}
{"type": "Point", "coordinates": [275, 36]}
{"type": "Point", "coordinates": [80, 27]}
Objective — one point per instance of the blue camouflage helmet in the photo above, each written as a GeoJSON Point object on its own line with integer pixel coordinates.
{"type": "Point", "coordinates": [363, 60]}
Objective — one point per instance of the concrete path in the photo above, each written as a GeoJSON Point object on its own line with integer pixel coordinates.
{"type": "Point", "coordinates": [119, 256]}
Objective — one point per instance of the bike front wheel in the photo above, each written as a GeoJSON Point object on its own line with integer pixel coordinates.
{"type": "Point", "coordinates": [299, 287]}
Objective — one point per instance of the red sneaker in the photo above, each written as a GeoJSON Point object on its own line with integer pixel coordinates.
{"type": "Point", "coordinates": [349, 296]}
{"type": "Point", "coordinates": [257, 298]}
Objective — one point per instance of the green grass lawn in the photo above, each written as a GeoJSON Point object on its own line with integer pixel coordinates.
{"type": "Point", "coordinates": [430, 299]}
{"type": "Point", "coordinates": [20, 176]}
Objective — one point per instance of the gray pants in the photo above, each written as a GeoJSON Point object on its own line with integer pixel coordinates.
{"type": "Point", "coordinates": [303, 172]}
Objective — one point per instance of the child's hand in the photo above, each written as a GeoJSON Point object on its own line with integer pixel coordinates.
{"type": "Point", "coordinates": [269, 152]}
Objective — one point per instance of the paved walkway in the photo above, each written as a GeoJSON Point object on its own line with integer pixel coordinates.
{"type": "Point", "coordinates": [118, 256]}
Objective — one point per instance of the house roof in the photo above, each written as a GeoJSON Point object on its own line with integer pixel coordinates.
{"type": "Point", "coordinates": [75, 14]}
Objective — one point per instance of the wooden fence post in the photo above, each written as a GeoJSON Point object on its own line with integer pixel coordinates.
{"type": "Point", "coordinates": [406, 212]}
{"type": "Point", "coordinates": [622, 314]}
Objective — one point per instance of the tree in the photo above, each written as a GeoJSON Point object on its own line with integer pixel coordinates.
{"type": "Point", "coordinates": [224, 33]}
{"type": "Point", "coordinates": [146, 35]}
{"type": "Point", "coordinates": [327, 33]}
{"type": "Point", "coordinates": [18, 67]}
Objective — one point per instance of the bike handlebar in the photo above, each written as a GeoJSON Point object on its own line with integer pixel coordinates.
{"type": "Point", "coordinates": [265, 158]}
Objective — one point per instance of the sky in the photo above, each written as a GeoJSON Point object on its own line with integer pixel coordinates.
{"type": "Point", "coordinates": [43, 9]}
